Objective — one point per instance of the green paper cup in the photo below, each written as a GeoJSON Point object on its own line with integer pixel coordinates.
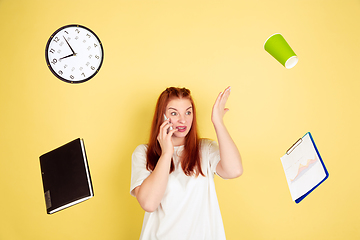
{"type": "Point", "coordinates": [280, 50]}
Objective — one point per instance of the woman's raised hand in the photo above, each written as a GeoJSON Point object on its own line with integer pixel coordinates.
{"type": "Point", "coordinates": [219, 109]}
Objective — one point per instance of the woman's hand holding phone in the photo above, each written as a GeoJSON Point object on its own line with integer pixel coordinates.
{"type": "Point", "coordinates": [170, 128]}
{"type": "Point", "coordinates": [164, 137]}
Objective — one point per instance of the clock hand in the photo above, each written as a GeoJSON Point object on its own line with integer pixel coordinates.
{"type": "Point", "coordinates": [67, 56]}
{"type": "Point", "coordinates": [69, 46]}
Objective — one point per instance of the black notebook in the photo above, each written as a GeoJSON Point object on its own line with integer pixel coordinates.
{"type": "Point", "coordinates": [66, 176]}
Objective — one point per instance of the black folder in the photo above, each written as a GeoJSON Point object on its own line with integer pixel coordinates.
{"type": "Point", "coordinates": [66, 176]}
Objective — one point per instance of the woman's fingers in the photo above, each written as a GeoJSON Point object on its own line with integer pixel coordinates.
{"type": "Point", "coordinates": [219, 109]}
{"type": "Point", "coordinates": [171, 132]}
{"type": "Point", "coordinates": [165, 129]}
{"type": "Point", "coordinates": [164, 136]}
{"type": "Point", "coordinates": [218, 99]}
{"type": "Point", "coordinates": [224, 96]}
{"type": "Point", "coordinates": [161, 130]}
{"type": "Point", "coordinates": [222, 99]}
{"type": "Point", "coordinates": [164, 123]}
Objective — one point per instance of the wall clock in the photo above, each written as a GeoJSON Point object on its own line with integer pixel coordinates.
{"type": "Point", "coordinates": [74, 53]}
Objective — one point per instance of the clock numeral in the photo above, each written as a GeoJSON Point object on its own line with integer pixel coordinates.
{"type": "Point", "coordinates": [54, 61]}
{"type": "Point", "coordinates": [77, 30]}
{"type": "Point", "coordinates": [88, 35]}
{"type": "Point", "coordinates": [60, 72]}
{"type": "Point", "coordinates": [62, 43]}
{"type": "Point", "coordinates": [88, 48]}
{"type": "Point", "coordinates": [66, 32]}
{"type": "Point", "coordinates": [90, 56]}
{"type": "Point", "coordinates": [87, 64]}
{"type": "Point", "coordinates": [73, 69]}
{"type": "Point", "coordinates": [92, 68]}
{"type": "Point", "coordinates": [65, 66]}
{"type": "Point", "coordinates": [83, 74]}
{"type": "Point", "coordinates": [52, 50]}
{"type": "Point", "coordinates": [77, 37]}
{"type": "Point", "coordinates": [71, 76]}
{"type": "Point", "coordinates": [56, 39]}
{"type": "Point", "coordinates": [97, 57]}
{"type": "Point", "coordinates": [95, 45]}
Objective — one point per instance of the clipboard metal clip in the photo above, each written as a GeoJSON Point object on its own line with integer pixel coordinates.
{"type": "Point", "coordinates": [297, 143]}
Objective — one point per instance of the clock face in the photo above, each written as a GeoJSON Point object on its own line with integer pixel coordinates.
{"type": "Point", "coordinates": [74, 53]}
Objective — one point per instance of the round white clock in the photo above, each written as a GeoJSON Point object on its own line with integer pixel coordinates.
{"type": "Point", "coordinates": [74, 53]}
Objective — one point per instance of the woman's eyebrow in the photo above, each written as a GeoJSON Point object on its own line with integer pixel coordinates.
{"type": "Point", "coordinates": [177, 110]}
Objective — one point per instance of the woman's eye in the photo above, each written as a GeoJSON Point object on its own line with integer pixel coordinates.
{"type": "Point", "coordinates": [188, 113]}
{"type": "Point", "coordinates": [173, 114]}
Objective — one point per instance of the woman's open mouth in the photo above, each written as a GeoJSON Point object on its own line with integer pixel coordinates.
{"type": "Point", "coordinates": [181, 129]}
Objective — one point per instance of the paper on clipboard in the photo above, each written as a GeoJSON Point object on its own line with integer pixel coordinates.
{"type": "Point", "coordinates": [303, 167]}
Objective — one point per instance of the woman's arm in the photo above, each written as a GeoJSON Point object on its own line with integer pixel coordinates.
{"type": "Point", "coordinates": [150, 193]}
{"type": "Point", "coordinates": [230, 165]}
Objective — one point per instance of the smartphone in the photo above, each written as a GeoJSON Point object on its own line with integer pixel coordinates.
{"type": "Point", "coordinates": [170, 128]}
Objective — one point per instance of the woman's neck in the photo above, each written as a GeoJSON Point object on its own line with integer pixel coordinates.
{"type": "Point", "coordinates": [178, 141]}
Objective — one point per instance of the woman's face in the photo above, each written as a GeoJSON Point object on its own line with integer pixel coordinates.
{"type": "Point", "coordinates": [180, 113]}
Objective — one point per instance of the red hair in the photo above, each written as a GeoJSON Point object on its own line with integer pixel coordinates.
{"type": "Point", "coordinates": [190, 158]}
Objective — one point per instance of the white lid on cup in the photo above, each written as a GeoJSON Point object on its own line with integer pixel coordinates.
{"type": "Point", "coordinates": [291, 62]}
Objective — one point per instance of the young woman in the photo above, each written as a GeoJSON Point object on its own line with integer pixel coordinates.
{"type": "Point", "coordinates": [173, 175]}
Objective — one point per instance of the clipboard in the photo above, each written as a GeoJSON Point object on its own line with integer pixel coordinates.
{"type": "Point", "coordinates": [304, 168]}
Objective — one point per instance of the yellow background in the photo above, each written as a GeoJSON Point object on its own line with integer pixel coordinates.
{"type": "Point", "coordinates": [204, 46]}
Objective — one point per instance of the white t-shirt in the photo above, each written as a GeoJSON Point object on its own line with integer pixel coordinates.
{"type": "Point", "coordinates": [189, 209]}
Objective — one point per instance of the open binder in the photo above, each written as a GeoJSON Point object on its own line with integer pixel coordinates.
{"type": "Point", "coordinates": [304, 168]}
{"type": "Point", "coordinates": [66, 176]}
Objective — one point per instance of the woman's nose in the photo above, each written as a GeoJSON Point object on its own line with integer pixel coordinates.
{"type": "Point", "coordinates": [181, 119]}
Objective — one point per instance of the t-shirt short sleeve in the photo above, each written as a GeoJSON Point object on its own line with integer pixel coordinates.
{"type": "Point", "coordinates": [211, 149]}
{"type": "Point", "coordinates": [138, 167]}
